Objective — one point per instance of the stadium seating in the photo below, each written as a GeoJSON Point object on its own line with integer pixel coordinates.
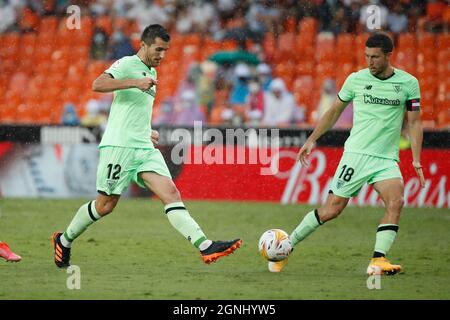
{"type": "Point", "coordinates": [45, 60]}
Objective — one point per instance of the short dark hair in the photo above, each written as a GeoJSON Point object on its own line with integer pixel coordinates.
{"type": "Point", "coordinates": [154, 31]}
{"type": "Point", "coordinates": [380, 40]}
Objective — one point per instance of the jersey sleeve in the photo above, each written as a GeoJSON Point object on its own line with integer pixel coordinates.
{"type": "Point", "coordinates": [413, 98]}
{"type": "Point", "coordinates": [347, 92]}
{"type": "Point", "coordinates": [116, 70]}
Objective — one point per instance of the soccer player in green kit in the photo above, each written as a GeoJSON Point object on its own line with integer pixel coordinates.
{"type": "Point", "coordinates": [381, 94]}
{"type": "Point", "coordinates": [127, 152]}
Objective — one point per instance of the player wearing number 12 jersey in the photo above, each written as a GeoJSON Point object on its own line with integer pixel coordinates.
{"type": "Point", "coordinates": [127, 153]}
{"type": "Point", "coordinates": [381, 95]}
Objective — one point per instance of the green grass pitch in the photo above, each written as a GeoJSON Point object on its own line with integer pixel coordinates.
{"type": "Point", "coordinates": [134, 253]}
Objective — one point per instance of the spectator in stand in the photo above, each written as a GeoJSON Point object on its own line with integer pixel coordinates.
{"type": "Point", "coordinates": [327, 97]}
{"type": "Point", "coordinates": [324, 15]}
{"type": "Point", "coordinates": [397, 19]}
{"type": "Point", "coordinates": [187, 110]}
{"type": "Point", "coordinates": [206, 86]}
{"type": "Point", "coordinates": [184, 20]}
{"type": "Point", "coordinates": [263, 16]}
{"type": "Point", "coordinates": [96, 113]}
{"type": "Point", "coordinates": [69, 116]}
{"type": "Point", "coordinates": [166, 114]}
{"type": "Point", "coordinates": [99, 46]}
{"type": "Point", "coordinates": [239, 91]}
{"type": "Point", "coordinates": [204, 17]}
{"type": "Point", "coordinates": [149, 12]}
{"type": "Point", "coordinates": [264, 74]}
{"type": "Point", "coordinates": [279, 105]}
{"type": "Point", "coordinates": [254, 107]}
{"type": "Point", "coordinates": [8, 16]}
{"type": "Point", "coordinates": [435, 15]}
{"type": "Point", "coordinates": [120, 46]}
{"type": "Point", "coordinates": [340, 21]}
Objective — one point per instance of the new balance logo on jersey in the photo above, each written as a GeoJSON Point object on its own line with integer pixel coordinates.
{"type": "Point", "coordinates": [368, 98]}
{"type": "Point", "coordinates": [368, 87]}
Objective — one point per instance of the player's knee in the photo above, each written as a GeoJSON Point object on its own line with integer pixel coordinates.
{"type": "Point", "coordinates": [330, 212]}
{"type": "Point", "coordinates": [172, 195]}
{"type": "Point", "coordinates": [396, 204]}
{"type": "Point", "coordinates": [105, 208]}
{"type": "Point", "coordinates": [335, 211]}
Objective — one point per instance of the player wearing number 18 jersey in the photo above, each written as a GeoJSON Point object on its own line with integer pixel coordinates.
{"type": "Point", "coordinates": [381, 95]}
{"type": "Point", "coordinates": [127, 153]}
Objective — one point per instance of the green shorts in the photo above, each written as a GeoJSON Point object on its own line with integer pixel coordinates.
{"type": "Point", "coordinates": [355, 169]}
{"type": "Point", "coordinates": [119, 166]}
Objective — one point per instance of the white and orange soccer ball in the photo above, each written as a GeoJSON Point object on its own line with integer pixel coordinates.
{"type": "Point", "coordinates": [275, 245]}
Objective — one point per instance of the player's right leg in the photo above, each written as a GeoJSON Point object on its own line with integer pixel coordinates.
{"type": "Point", "coordinates": [312, 220]}
{"type": "Point", "coordinates": [86, 215]}
{"type": "Point", "coordinates": [112, 178]}
{"type": "Point", "coordinates": [347, 181]}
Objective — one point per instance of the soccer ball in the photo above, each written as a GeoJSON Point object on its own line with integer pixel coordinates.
{"type": "Point", "coordinates": [275, 245]}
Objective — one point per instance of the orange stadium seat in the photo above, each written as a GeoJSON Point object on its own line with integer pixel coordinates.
{"type": "Point", "coordinates": [49, 24]}
{"type": "Point", "coordinates": [106, 23]}
{"type": "Point", "coordinates": [305, 67]}
{"type": "Point", "coordinates": [308, 25]}
{"type": "Point", "coordinates": [443, 41]}
{"type": "Point", "coordinates": [325, 48]}
{"type": "Point", "coordinates": [9, 45]}
{"type": "Point", "coordinates": [290, 24]}
{"type": "Point", "coordinates": [345, 52]}
{"type": "Point", "coordinates": [29, 20]}
{"type": "Point", "coordinates": [426, 40]}
{"type": "Point", "coordinates": [209, 47]}
{"type": "Point", "coordinates": [285, 48]}
{"type": "Point", "coordinates": [360, 45]}
{"type": "Point", "coordinates": [229, 45]}
{"type": "Point", "coordinates": [406, 41]}
{"type": "Point", "coordinates": [269, 45]}
{"type": "Point", "coordinates": [27, 44]}
{"type": "Point", "coordinates": [303, 86]}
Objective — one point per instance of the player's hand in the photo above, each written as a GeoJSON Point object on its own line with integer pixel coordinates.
{"type": "Point", "coordinates": [304, 152]}
{"type": "Point", "coordinates": [145, 83]}
{"type": "Point", "coordinates": [155, 137]}
{"type": "Point", "coordinates": [418, 168]}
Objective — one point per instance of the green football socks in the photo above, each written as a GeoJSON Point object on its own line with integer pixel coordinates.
{"type": "Point", "coordinates": [85, 216]}
{"type": "Point", "coordinates": [308, 225]}
{"type": "Point", "coordinates": [386, 234]}
{"type": "Point", "coordinates": [181, 220]}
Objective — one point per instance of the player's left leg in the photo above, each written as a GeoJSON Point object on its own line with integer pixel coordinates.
{"type": "Point", "coordinates": [181, 220]}
{"type": "Point", "coordinates": [391, 192]}
{"type": "Point", "coordinates": [7, 254]}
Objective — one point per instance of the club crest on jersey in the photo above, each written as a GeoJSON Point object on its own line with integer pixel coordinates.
{"type": "Point", "coordinates": [397, 87]}
{"type": "Point", "coordinates": [339, 184]}
{"type": "Point", "coordinates": [150, 91]}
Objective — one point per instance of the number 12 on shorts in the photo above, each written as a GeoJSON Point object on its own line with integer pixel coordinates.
{"type": "Point", "coordinates": [346, 173]}
{"type": "Point", "coordinates": [114, 175]}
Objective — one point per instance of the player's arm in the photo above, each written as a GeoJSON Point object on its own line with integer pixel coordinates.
{"type": "Point", "coordinates": [106, 83]}
{"type": "Point", "coordinates": [326, 122]}
{"type": "Point", "coordinates": [416, 138]}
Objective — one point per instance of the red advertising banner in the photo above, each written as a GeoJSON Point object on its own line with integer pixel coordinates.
{"type": "Point", "coordinates": [293, 183]}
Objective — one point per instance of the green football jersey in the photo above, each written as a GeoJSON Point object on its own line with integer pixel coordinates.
{"type": "Point", "coordinates": [129, 121]}
{"type": "Point", "coordinates": [378, 110]}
